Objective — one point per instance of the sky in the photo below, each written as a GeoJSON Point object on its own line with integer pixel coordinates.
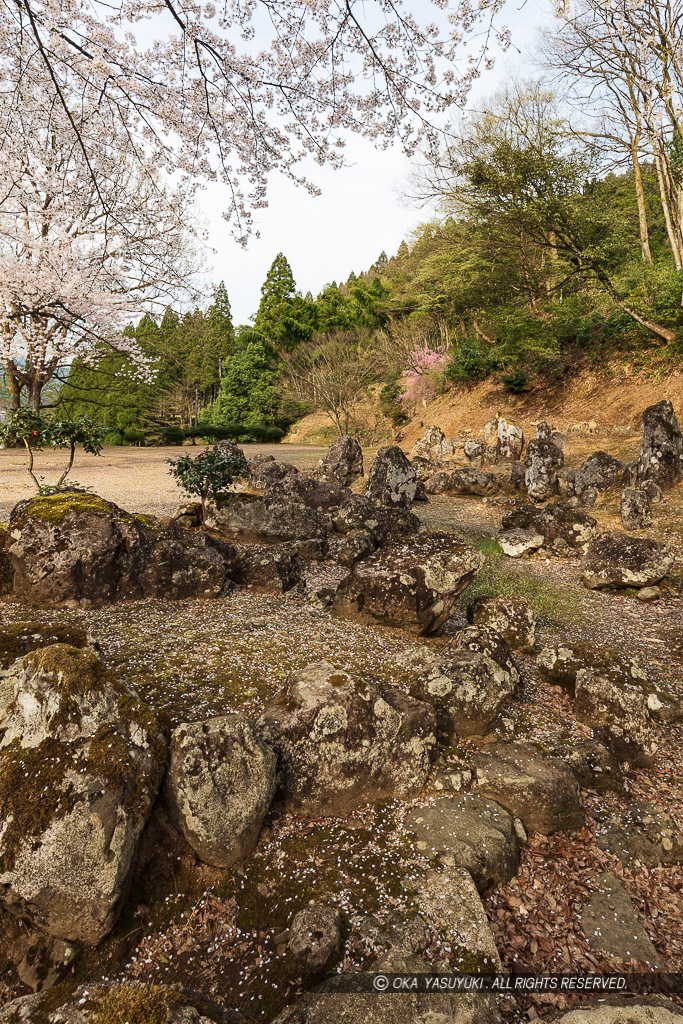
{"type": "Point", "coordinates": [360, 213]}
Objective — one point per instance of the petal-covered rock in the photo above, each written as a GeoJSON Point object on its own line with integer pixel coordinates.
{"type": "Point", "coordinates": [542, 462]}
{"type": "Point", "coordinates": [315, 937]}
{"type": "Point", "coordinates": [470, 832]}
{"type": "Point", "coordinates": [512, 617]}
{"type": "Point", "coordinates": [219, 786]}
{"type": "Point", "coordinates": [413, 586]}
{"type": "Point", "coordinates": [465, 685]}
{"type": "Point", "coordinates": [537, 788]}
{"type": "Point", "coordinates": [81, 761]}
{"type": "Point", "coordinates": [343, 462]}
{"type": "Point", "coordinates": [645, 835]}
{"type": "Point", "coordinates": [391, 480]}
{"type": "Point", "coordinates": [327, 1006]}
{"type": "Point", "coordinates": [616, 560]}
{"type": "Point", "coordinates": [340, 744]}
{"type": "Point", "coordinates": [618, 714]}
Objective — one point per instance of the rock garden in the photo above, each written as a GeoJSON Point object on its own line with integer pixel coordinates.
{"type": "Point", "coordinates": [394, 712]}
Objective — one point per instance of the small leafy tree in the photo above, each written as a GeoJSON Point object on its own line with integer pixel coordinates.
{"type": "Point", "coordinates": [26, 427]}
{"type": "Point", "coordinates": [208, 475]}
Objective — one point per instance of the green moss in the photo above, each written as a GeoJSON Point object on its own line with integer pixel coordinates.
{"type": "Point", "coordinates": [32, 793]}
{"type": "Point", "coordinates": [54, 508]}
{"type": "Point", "coordinates": [129, 1004]}
{"type": "Point", "coordinates": [19, 638]}
{"type": "Point", "coordinates": [72, 671]}
{"type": "Point", "coordinates": [141, 1004]}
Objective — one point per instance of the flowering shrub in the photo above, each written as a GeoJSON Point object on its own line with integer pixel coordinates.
{"type": "Point", "coordinates": [209, 474]}
{"type": "Point", "coordinates": [420, 380]}
{"type": "Point", "coordinates": [35, 432]}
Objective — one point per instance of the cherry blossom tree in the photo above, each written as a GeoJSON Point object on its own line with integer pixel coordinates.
{"type": "Point", "coordinates": [247, 87]}
{"type": "Point", "coordinates": [86, 245]}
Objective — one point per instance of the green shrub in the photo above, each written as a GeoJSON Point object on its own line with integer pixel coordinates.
{"type": "Point", "coordinates": [208, 475]}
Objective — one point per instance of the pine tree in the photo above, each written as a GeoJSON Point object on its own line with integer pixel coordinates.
{"type": "Point", "coordinates": [284, 319]}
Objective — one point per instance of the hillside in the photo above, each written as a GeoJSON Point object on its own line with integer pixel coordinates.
{"type": "Point", "coordinates": [614, 398]}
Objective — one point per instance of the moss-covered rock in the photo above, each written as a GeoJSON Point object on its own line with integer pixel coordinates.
{"type": "Point", "coordinates": [81, 760]}
{"type": "Point", "coordinates": [340, 744]}
{"type": "Point", "coordinates": [117, 1003]}
{"type": "Point", "coordinates": [76, 548]}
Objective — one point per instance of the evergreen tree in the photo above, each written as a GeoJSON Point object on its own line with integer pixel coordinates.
{"type": "Point", "coordinates": [284, 319]}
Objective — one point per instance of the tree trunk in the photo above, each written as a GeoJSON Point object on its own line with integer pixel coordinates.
{"type": "Point", "coordinates": [674, 241]}
{"type": "Point", "coordinates": [642, 211]}
{"type": "Point", "coordinates": [35, 388]}
{"type": "Point", "coordinates": [480, 333]}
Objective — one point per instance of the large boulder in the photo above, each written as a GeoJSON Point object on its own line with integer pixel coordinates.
{"type": "Point", "coordinates": [618, 714]}
{"type": "Point", "coordinates": [382, 523]}
{"type": "Point", "coordinates": [466, 687]}
{"type": "Point", "coordinates": [438, 483]}
{"type": "Point", "coordinates": [511, 617]}
{"type": "Point", "coordinates": [600, 471]}
{"type": "Point", "coordinates": [553, 522]}
{"type": "Point", "coordinates": [433, 446]}
{"type": "Point", "coordinates": [616, 560]}
{"type": "Point", "coordinates": [470, 832]}
{"type": "Point", "coordinates": [413, 586]}
{"type": "Point", "coordinates": [561, 663]}
{"type": "Point", "coordinates": [661, 454]}
{"type": "Point", "coordinates": [81, 761]}
{"type": "Point", "coordinates": [74, 547]}
{"type": "Point", "coordinates": [272, 568]}
{"type": "Point", "coordinates": [539, 789]}
{"type": "Point", "coordinates": [340, 744]}
{"type": "Point", "coordinates": [510, 441]}
{"type": "Point", "coordinates": [634, 507]}
{"type": "Point", "coordinates": [343, 462]}
{"type": "Point", "coordinates": [266, 473]}
{"type": "Point", "coordinates": [542, 463]}
{"type": "Point", "coordinates": [247, 518]}
{"type": "Point", "coordinates": [474, 450]}
{"type": "Point", "coordinates": [323, 495]}
{"type": "Point", "coordinates": [517, 542]}
{"type": "Point", "coordinates": [391, 480]}
{"type": "Point", "coordinates": [469, 480]}
{"type": "Point", "coordinates": [219, 786]}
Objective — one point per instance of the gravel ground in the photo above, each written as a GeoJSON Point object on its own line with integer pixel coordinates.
{"type": "Point", "coordinates": [218, 931]}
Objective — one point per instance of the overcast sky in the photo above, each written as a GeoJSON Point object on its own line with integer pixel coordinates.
{"type": "Point", "coordinates": [359, 214]}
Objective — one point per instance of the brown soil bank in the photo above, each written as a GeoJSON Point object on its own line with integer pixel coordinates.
{"type": "Point", "coordinates": [614, 397]}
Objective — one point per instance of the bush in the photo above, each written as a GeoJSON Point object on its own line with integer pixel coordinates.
{"type": "Point", "coordinates": [115, 437]}
{"type": "Point", "coordinates": [515, 380]}
{"type": "Point", "coordinates": [208, 475]}
{"type": "Point", "coordinates": [172, 434]}
{"type": "Point", "coordinates": [389, 397]}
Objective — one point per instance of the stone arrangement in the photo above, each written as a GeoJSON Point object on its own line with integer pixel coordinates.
{"type": "Point", "coordinates": [83, 761]}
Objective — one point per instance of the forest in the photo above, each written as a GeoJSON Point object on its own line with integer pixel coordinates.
{"type": "Point", "coordinates": [546, 256]}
